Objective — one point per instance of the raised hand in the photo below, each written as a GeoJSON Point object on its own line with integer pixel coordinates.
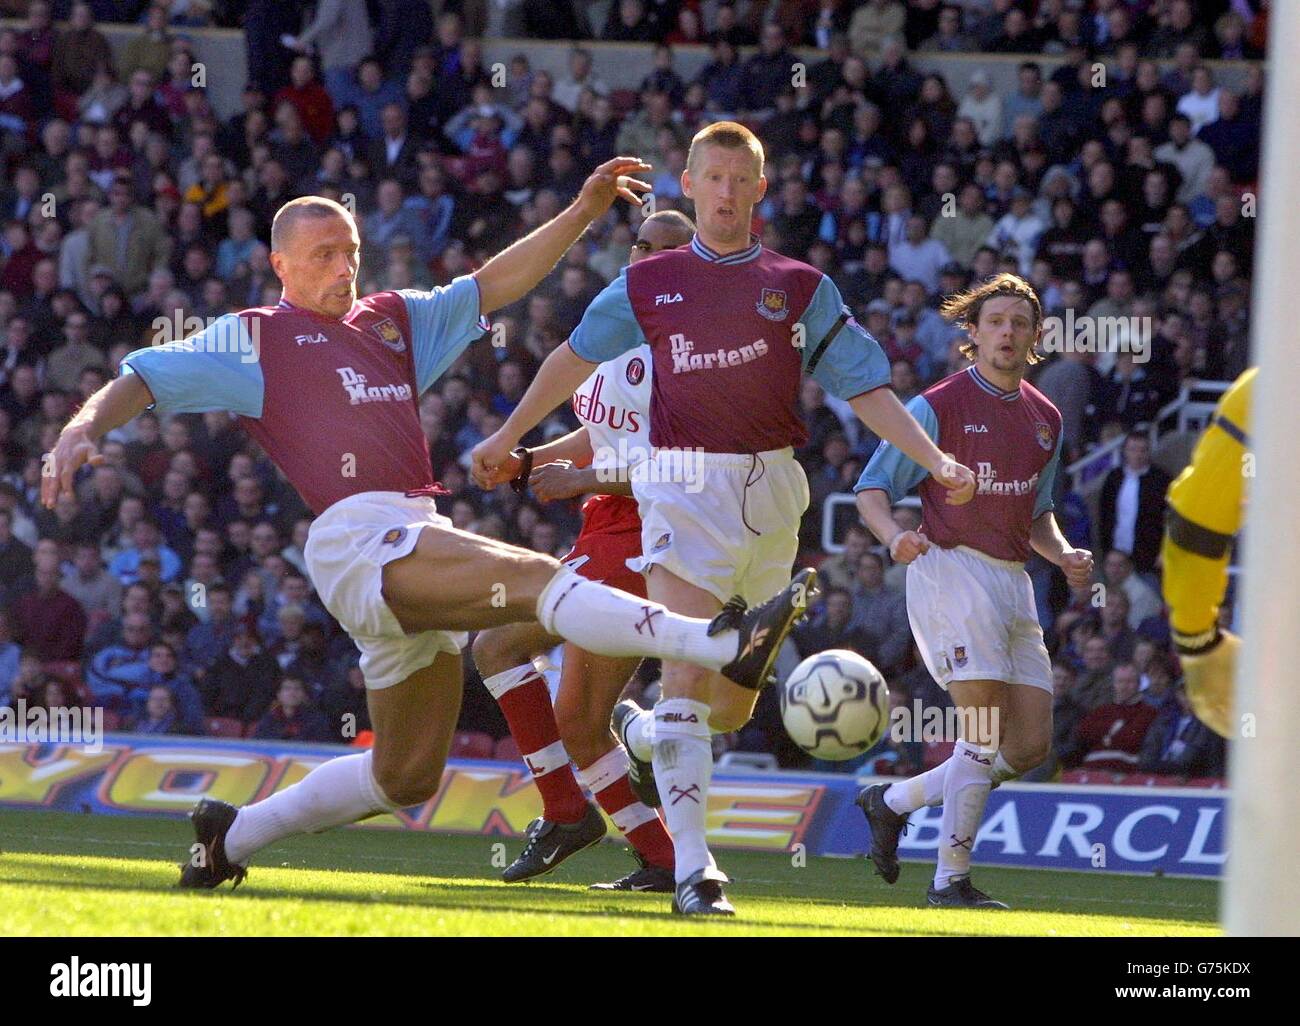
{"type": "Point", "coordinates": [59, 467]}
{"type": "Point", "coordinates": [609, 181]}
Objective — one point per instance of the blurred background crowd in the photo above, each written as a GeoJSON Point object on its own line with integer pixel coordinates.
{"type": "Point", "coordinates": [1107, 159]}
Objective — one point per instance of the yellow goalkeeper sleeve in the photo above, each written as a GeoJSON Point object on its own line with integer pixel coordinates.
{"type": "Point", "coordinates": [1205, 512]}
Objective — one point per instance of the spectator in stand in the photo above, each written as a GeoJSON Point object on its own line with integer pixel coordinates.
{"type": "Point", "coordinates": [150, 50]}
{"type": "Point", "coordinates": [146, 540]}
{"type": "Point", "coordinates": [127, 238]}
{"type": "Point", "coordinates": [208, 640]}
{"type": "Point", "coordinates": [65, 364]}
{"type": "Point", "coordinates": [292, 717]}
{"type": "Point", "coordinates": [1093, 687]}
{"type": "Point", "coordinates": [341, 32]}
{"type": "Point", "coordinates": [159, 715]}
{"type": "Point", "coordinates": [121, 666]}
{"type": "Point", "coordinates": [343, 703]}
{"type": "Point", "coordinates": [1144, 601]}
{"type": "Point", "coordinates": [830, 627]}
{"type": "Point", "coordinates": [163, 672]}
{"type": "Point", "coordinates": [98, 592]}
{"type": "Point", "coordinates": [1111, 736]}
{"type": "Point", "coordinates": [15, 557]}
{"type": "Point", "coordinates": [27, 684]}
{"type": "Point", "coordinates": [241, 684]}
{"type": "Point", "coordinates": [136, 600]}
{"type": "Point", "coordinates": [48, 622]}
{"type": "Point", "coordinates": [294, 591]}
{"type": "Point", "coordinates": [1120, 638]}
{"type": "Point", "coordinates": [880, 613]}
{"type": "Point", "coordinates": [1132, 504]}
{"type": "Point", "coordinates": [1178, 744]}
{"type": "Point", "coordinates": [310, 99]}
{"type": "Point", "coordinates": [10, 656]}
{"type": "Point", "coordinates": [840, 570]}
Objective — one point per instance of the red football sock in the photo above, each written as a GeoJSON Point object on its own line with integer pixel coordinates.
{"type": "Point", "coordinates": [607, 780]}
{"type": "Point", "coordinates": [526, 704]}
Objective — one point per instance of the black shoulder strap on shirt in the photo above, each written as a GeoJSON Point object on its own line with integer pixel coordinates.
{"type": "Point", "coordinates": [821, 346]}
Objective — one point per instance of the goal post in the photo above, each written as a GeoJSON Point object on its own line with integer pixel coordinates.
{"type": "Point", "coordinates": [1264, 827]}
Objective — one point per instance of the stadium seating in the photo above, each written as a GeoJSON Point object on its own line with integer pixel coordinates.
{"type": "Point", "coordinates": [484, 213]}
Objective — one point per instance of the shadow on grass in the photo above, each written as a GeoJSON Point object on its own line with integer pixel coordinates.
{"type": "Point", "coordinates": [123, 884]}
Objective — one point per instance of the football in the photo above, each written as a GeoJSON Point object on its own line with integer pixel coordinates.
{"type": "Point", "coordinates": [835, 705]}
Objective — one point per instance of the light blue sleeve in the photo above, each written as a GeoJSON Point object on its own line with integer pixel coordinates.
{"type": "Point", "coordinates": [850, 362]}
{"type": "Point", "coordinates": [1043, 501]}
{"type": "Point", "coordinates": [609, 328]}
{"type": "Point", "coordinates": [216, 369]}
{"type": "Point", "coordinates": [890, 469]}
{"type": "Point", "coordinates": [444, 321]}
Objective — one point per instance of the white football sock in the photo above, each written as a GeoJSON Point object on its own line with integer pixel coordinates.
{"type": "Point", "coordinates": [610, 622]}
{"type": "Point", "coordinates": [965, 792]}
{"type": "Point", "coordinates": [640, 732]}
{"type": "Point", "coordinates": [904, 796]}
{"type": "Point", "coordinates": [683, 762]}
{"type": "Point", "coordinates": [1002, 771]}
{"type": "Point", "coordinates": [340, 791]}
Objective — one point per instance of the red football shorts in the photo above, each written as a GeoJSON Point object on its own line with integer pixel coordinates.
{"type": "Point", "coordinates": [611, 535]}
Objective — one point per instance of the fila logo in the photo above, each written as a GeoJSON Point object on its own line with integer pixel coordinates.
{"type": "Point", "coordinates": [976, 429]}
{"type": "Point", "coordinates": [665, 299]}
{"type": "Point", "coordinates": [304, 340]}
{"type": "Point", "coordinates": [674, 717]}
{"type": "Point", "coordinates": [359, 392]}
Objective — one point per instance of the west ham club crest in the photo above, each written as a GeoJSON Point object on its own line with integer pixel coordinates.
{"type": "Point", "coordinates": [390, 335]}
{"type": "Point", "coordinates": [773, 304]}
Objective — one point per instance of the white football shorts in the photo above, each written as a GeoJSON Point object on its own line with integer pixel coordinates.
{"type": "Point", "coordinates": [347, 547]}
{"type": "Point", "coordinates": [974, 618]}
{"type": "Point", "coordinates": [727, 523]}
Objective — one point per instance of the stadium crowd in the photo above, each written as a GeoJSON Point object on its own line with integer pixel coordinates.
{"type": "Point", "coordinates": [171, 588]}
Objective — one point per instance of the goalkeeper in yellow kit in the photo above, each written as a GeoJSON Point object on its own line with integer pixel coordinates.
{"type": "Point", "coordinates": [1205, 512]}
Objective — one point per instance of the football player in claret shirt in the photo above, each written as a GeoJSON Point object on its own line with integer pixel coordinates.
{"type": "Point", "coordinates": [329, 385]}
{"type": "Point", "coordinates": [614, 408]}
{"type": "Point", "coordinates": [731, 327]}
{"type": "Point", "coordinates": [969, 599]}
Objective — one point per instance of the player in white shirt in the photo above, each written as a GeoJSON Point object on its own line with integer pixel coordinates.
{"type": "Point", "coordinates": [613, 405]}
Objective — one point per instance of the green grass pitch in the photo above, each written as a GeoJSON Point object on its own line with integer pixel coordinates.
{"type": "Point", "coordinates": [84, 875]}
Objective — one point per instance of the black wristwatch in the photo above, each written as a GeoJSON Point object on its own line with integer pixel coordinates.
{"type": "Point", "coordinates": [520, 481]}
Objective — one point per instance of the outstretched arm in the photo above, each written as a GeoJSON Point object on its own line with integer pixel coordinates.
{"type": "Point", "coordinates": [575, 448]}
{"type": "Point", "coordinates": [881, 411]}
{"type": "Point", "coordinates": [112, 406]}
{"type": "Point", "coordinates": [560, 374]}
{"type": "Point", "coordinates": [515, 271]}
